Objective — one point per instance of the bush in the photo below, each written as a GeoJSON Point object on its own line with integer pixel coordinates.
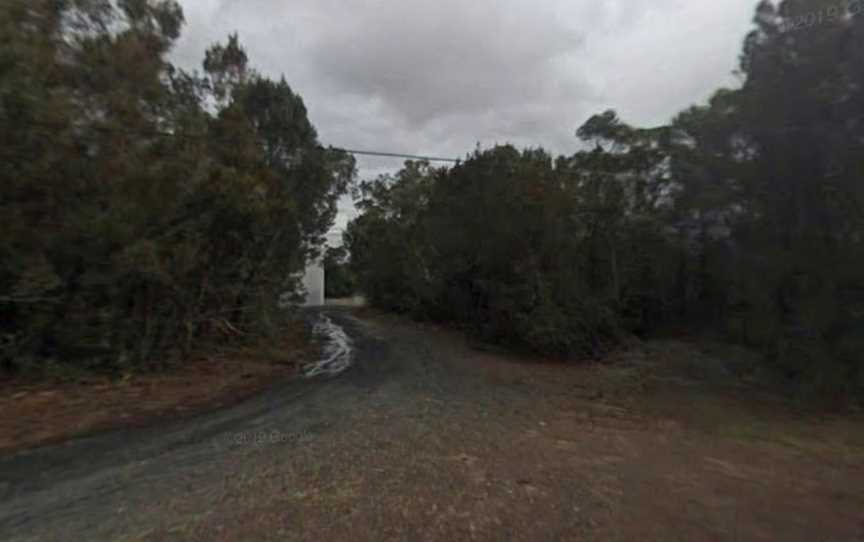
{"type": "Point", "coordinates": [139, 223]}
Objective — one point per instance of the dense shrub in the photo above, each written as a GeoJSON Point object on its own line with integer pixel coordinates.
{"type": "Point", "coordinates": [145, 210]}
{"type": "Point", "coordinates": [519, 249]}
{"type": "Point", "coordinates": [339, 280]}
{"type": "Point", "coordinates": [743, 215]}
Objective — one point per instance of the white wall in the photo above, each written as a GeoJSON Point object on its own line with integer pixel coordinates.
{"type": "Point", "coordinates": [313, 282]}
{"type": "Point", "coordinates": [313, 278]}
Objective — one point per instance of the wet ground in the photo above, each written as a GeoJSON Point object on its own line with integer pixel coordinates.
{"type": "Point", "coordinates": [337, 350]}
{"type": "Point", "coordinates": [425, 438]}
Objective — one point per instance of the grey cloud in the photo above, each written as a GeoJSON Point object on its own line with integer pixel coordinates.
{"type": "Point", "coordinates": [456, 58]}
{"type": "Point", "coordinates": [424, 77]}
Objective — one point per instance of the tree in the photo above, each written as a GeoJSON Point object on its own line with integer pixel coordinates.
{"type": "Point", "coordinates": [744, 214]}
{"type": "Point", "coordinates": [770, 170]}
{"type": "Point", "coordinates": [339, 281]}
{"type": "Point", "coordinates": [150, 211]}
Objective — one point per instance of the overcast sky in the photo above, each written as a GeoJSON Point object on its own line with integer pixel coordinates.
{"type": "Point", "coordinates": [437, 77]}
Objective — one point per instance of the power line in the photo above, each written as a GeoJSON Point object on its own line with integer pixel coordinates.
{"type": "Point", "coordinates": [223, 137]}
{"type": "Point", "coordinates": [399, 155]}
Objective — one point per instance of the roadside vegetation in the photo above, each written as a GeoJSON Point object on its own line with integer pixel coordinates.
{"type": "Point", "coordinates": [147, 211]}
{"type": "Point", "coordinates": [150, 212]}
{"type": "Point", "coordinates": [742, 217]}
{"type": "Point", "coordinates": [340, 281]}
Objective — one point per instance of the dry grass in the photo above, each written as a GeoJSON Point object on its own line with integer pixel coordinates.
{"type": "Point", "coordinates": [37, 413]}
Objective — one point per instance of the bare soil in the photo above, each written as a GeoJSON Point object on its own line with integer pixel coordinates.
{"type": "Point", "coordinates": [39, 412]}
{"type": "Point", "coordinates": [427, 438]}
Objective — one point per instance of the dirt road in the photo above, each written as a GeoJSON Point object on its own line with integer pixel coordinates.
{"type": "Point", "coordinates": [425, 438]}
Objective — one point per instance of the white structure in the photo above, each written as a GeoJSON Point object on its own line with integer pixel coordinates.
{"type": "Point", "coordinates": [313, 279]}
{"type": "Point", "coordinates": [313, 282]}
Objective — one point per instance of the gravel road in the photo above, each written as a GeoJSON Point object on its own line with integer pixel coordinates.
{"type": "Point", "coordinates": [136, 483]}
{"type": "Point", "coordinates": [422, 438]}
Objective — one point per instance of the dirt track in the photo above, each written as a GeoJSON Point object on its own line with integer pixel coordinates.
{"type": "Point", "coordinates": [425, 438]}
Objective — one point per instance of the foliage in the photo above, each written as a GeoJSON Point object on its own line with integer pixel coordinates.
{"type": "Point", "coordinates": [339, 280]}
{"type": "Point", "coordinates": [519, 248]}
{"type": "Point", "coordinates": [743, 214]}
{"type": "Point", "coordinates": [772, 171]}
{"type": "Point", "coordinates": [146, 210]}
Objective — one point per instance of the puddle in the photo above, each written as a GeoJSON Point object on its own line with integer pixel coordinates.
{"type": "Point", "coordinates": [337, 351]}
